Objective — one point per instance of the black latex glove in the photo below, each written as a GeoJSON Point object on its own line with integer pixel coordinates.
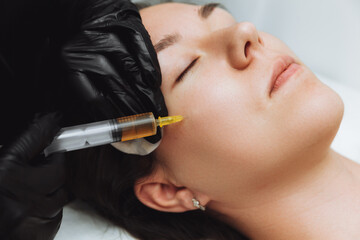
{"type": "Point", "coordinates": [112, 65]}
{"type": "Point", "coordinates": [31, 187]}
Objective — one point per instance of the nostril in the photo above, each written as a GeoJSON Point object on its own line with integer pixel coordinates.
{"type": "Point", "coordinates": [247, 47]}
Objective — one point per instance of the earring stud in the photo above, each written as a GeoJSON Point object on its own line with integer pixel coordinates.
{"type": "Point", "coordinates": [197, 204]}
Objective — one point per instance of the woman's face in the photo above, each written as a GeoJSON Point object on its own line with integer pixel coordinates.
{"type": "Point", "coordinates": [238, 136]}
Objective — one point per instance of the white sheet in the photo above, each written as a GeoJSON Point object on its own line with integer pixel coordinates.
{"type": "Point", "coordinates": [80, 222]}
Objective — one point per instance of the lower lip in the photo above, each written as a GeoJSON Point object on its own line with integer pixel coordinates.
{"type": "Point", "coordinates": [284, 76]}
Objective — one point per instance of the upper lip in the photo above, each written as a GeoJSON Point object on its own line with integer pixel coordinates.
{"type": "Point", "coordinates": [281, 64]}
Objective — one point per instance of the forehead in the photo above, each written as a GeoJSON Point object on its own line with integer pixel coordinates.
{"type": "Point", "coordinates": [164, 19]}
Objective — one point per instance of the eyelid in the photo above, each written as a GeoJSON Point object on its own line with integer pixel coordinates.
{"type": "Point", "coordinates": [187, 69]}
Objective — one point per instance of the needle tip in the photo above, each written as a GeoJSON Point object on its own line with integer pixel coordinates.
{"type": "Point", "coordinates": [163, 121]}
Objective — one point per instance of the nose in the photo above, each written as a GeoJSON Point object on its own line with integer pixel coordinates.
{"type": "Point", "coordinates": [241, 40]}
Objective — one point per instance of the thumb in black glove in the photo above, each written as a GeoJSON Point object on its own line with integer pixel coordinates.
{"type": "Point", "coordinates": [31, 186]}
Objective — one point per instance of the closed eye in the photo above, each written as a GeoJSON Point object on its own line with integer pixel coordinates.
{"type": "Point", "coordinates": [187, 69]}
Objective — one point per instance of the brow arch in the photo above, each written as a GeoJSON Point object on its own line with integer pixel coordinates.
{"type": "Point", "coordinates": [170, 39]}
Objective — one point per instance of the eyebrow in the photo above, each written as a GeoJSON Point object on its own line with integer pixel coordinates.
{"type": "Point", "coordinates": [204, 12]}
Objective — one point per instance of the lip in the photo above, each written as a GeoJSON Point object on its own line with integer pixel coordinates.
{"type": "Point", "coordinates": [281, 65]}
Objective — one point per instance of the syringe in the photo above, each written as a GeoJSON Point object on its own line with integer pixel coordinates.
{"type": "Point", "coordinates": [108, 131]}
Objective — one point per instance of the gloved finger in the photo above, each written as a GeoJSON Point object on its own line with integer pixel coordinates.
{"type": "Point", "coordinates": [111, 73]}
{"type": "Point", "coordinates": [33, 139]}
{"type": "Point", "coordinates": [52, 170]}
{"type": "Point", "coordinates": [51, 204]}
{"type": "Point", "coordinates": [33, 228]}
{"type": "Point", "coordinates": [10, 218]}
{"type": "Point", "coordinates": [40, 179]}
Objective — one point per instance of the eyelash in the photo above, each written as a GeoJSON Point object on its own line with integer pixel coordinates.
{"type": "Point", "coordinates": [187, 69]}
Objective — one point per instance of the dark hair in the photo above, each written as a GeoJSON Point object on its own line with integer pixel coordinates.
{"type": "Point", "coordinates": [104, 178]}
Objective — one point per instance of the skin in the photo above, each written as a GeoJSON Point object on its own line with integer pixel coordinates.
{"type": "Point", "coordinates": [263, 161]}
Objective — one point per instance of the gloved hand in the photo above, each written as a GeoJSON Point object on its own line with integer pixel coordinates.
{"type": "Point", "coordinates": [31, 187]}
{"type": "Point", "coordinates": [110, 62]}
{"type": "Point", "coordinates": [113, 68]}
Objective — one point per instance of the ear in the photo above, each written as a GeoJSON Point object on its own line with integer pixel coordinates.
{"type": "Point", "coordinates": [159, 193]}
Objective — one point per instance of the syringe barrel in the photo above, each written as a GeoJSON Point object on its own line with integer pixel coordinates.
{"type": "Point", "coordinates": [136, 126]}
{"type": "Point", "coordinates": [103, 132]}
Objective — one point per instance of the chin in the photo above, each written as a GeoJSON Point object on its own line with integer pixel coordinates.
{"type": "Point", "coordinates": [336, 113]}
{"type": "Point", "coordinates": [313, 111]}
{"type": "Point", "coordinates": [327, 110]}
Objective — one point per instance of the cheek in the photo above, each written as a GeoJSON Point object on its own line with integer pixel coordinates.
{"type": "Point", "coordinates": [220, 129]}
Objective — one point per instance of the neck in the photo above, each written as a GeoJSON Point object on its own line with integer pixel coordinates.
{"type": "Point", "coordinates": [324, 204]}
